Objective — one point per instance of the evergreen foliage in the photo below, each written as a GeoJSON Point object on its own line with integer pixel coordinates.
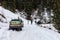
{"type": "Point", "coordinates": [57, 14]}
{"type": "Point", "coordinates": [9, 4]}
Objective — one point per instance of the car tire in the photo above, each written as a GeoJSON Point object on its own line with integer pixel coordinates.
{"type": "Point", "coordinates": [10, 28]}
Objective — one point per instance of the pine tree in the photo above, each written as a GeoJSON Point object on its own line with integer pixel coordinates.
{"type": "Point", "coordinates": [9, 4]}
{"type": "Point", "coordinates": [57, 13]}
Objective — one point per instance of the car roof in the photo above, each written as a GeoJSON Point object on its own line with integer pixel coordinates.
{"type": "Point", "coordinates": [16, 20]}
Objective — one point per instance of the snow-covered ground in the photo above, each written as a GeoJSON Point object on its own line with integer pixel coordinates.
{"type": "Point", "coordinates": [8, 14]}
{"type": "Point", "coordinates": [29, 32]}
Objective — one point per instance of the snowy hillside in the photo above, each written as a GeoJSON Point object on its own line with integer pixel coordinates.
{"type": "Point", "coordinates": [8, 14]}
{"type": "Point", "coordinates": [29, 32]}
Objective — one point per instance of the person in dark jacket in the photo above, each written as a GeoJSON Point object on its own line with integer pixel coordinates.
{"type": "Point", "coordinates": [29, 18]}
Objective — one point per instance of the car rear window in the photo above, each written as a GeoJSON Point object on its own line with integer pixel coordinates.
{"type": "Point", "coordinates": [15, 22]}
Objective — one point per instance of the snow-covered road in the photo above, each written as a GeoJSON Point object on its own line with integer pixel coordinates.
{"type": "Point", "coordinates": [29, 32]}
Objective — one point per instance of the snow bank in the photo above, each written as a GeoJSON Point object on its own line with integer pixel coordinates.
{"type": "Point", "coordinates": [48, 26]}
{"type": "Point", "coordinates": [8, 14]}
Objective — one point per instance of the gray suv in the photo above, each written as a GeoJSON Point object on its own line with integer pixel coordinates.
{"type": "Point", "coordinates": [16, 24]}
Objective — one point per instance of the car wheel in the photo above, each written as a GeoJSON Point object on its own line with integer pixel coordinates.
{"type": "Point", "coordinates": [9, 28]}
{"type": "Point", "coordinates": [20, 29]}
